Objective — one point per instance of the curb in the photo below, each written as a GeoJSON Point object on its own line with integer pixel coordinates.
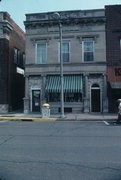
{"type": "Point", "coordinates": [27, 119]}
{"type": "Point", "coordinates": [87, 120]}
{"type": "Point", "coordinates": [54, 119]}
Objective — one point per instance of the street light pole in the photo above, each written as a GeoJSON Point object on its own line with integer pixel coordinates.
{"type": "Point", "coordinates": [61, 72]}
{"type": "Point", "coordinates": [61, 65]}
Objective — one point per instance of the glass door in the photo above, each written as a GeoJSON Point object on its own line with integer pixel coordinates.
{"type": "Point", "coordinates": [35, 100]}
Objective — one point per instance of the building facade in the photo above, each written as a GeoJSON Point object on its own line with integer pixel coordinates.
{"type": "Point", "coordinates": [113, 43]}
{"type": "Point", "coordinates": [84, 61]}
{"type": "Point", "coordinates": [12, 54]}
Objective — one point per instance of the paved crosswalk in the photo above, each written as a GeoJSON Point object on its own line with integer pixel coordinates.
{"type": "Point", "coordinates": [106, 123]}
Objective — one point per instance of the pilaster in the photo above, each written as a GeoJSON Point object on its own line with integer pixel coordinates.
{"type": "Point", "coordinates": [26, 98]}
{"type": "Point", "coordinates": [86, 97]}
{"type": "Point", "coordinates": [104, 98]}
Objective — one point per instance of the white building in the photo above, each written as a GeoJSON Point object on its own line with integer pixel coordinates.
{"type": "Point", "coordinates": [84, 61]}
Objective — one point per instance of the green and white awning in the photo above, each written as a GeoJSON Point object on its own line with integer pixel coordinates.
{"type": "Point", "coordinates": [71, 83]}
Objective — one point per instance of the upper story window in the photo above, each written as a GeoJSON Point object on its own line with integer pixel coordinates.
{"type": "Point", "coordinates": [41, 53]}
{"type": "Point", "coordinates": [23, 59]}
{"type": "Point", "coordinates": [65, 51]}
{"type": "Point", "coordinates": [88, 50]}
{"type": "Point", "coordinates": [17, 56]}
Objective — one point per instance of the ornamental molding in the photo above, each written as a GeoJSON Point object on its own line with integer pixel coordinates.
{"type": "Point", "coordinates": [52, 22]}
{"type": "Point", "coordinates": [40, 39]}
{"type": "Point", "coordinates": [93, 36]}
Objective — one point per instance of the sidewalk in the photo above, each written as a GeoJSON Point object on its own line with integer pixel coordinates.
{"type": "Point", "coordinates": [91, 117]}
{"type": "Point", "coordinates": [68, 117]}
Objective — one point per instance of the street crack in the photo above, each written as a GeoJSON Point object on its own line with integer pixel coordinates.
{"type": "Point", "coordinates": [6, 140]}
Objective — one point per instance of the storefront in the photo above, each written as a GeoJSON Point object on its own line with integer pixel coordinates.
{"type": "Point", "coordinates": [73, 92]}
{"type": "Point", "coordinates": [114, 87]}
{"type": "Point", "coordinates": [82, 93]}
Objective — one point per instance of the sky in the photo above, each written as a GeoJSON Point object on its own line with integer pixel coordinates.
{"type": "Point", "coordinates": [18, 8]}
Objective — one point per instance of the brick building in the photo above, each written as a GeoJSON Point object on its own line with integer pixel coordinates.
{"type": "Point", "coordinates": [113, 46]}
{"type": "Point", "coordinates": [84, 61]}
{"type": "Point", "coordinates": [12, 54]}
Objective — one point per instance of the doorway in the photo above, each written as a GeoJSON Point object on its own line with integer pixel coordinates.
{"type": "Point", "coordinates": [35, 100]}
{"type": "Point", "coordinates": [95, 98]}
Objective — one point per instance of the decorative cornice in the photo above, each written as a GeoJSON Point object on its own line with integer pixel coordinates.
{"type": "Point", "coordinates": [44, 23]}
{"type": "Point", "coordinates": [73, 14]}
{"type": "Point", "coordinates": [6, 26]}
{"type": "Point", "coordinates": [66, 18]}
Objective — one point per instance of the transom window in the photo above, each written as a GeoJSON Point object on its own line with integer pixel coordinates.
{"type": "Point", "coordinates": [41, 53]}
{"type": "Point", "coordinates": [88, 50]}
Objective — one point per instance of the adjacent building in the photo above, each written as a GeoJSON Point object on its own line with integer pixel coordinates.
{"type": "Point", "coordinates": [12, 55]}
{"type": "Point", "coordinates": [84, 61]}
{"type": "Point", "coordinates": [113, 46]}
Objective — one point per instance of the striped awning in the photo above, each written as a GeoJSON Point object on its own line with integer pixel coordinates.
{"type": "Point", "coordinates": [71, 83]}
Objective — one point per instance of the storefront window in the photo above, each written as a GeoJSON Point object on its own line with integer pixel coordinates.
{"type": "Point", "coordinates": [68, 97]}
{"type": "Point", "coordinates": [53, 97]}
{"type": "Point", "coordinates": [72, 97]}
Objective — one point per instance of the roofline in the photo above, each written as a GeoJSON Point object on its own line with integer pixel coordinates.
{"type": "Point", "coordinates": [49, 12]}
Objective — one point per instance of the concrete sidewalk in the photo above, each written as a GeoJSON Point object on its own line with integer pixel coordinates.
{"type": "Point", "coordinates": [91, 117]}
{"type": "Point", "coordinates": [68, 117]}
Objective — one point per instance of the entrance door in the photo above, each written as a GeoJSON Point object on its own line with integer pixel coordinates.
{"type": "Point", "coordinates": [35, 100]}
{"type": "Point", "coordinates": [95, 99]}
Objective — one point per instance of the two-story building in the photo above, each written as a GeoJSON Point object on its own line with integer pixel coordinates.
{"type": "Point", "coordinates": [84, 61]}
{"type": "Point", "coordinates": [12, 55]}
{"type": "Point", "coordinates": [113, 43]}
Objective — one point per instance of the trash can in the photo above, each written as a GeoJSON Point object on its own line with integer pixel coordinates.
{"type": "Point", "coordinates": [45, 110]}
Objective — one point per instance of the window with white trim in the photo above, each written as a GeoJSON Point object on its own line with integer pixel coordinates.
{"type": "Point", "coordinates": [88, 50]}
{"type": "Point", "coordinates": [41, 53]}
{"type": "Point", "coordinates": [65, 52]}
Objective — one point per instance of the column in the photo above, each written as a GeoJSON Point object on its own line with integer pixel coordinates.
{"type": "Point", "coordinates": [26, 98]}
{"type": "Point", "coordinates": [43, 92]}
{"type": "Point", "coordinates": [105, 99]}
{"type": "Point", "coordinates": [86, 97]}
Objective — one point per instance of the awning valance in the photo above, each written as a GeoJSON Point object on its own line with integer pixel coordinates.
{"type": "Point", "coordinates": [71, 83]}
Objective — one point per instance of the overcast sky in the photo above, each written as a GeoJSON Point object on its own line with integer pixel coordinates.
{"type": "Point", "coordinates": [18, 8]}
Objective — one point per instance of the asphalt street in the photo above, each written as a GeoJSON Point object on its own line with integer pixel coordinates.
{"type": "Point", "coordinates": [60, 150]}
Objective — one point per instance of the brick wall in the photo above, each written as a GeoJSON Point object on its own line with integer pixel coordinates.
{"type": "Point", "coordinates": [4, 51]}
{"type": "Point", "coordinates": [11, 83]}
{"type": "Point", "coordinates": [113, 47]}
{"type": "Point", "coordinates": [113, 34]}
{"type": "Point", "coordinates": [16, 82]}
